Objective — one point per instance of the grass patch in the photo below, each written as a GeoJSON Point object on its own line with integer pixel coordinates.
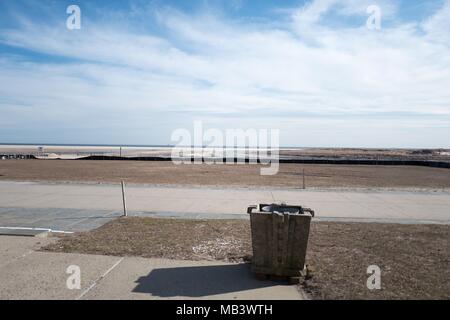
{"type": "Point", "coordinates": [182, 239]}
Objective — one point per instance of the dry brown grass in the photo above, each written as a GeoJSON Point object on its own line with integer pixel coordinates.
{"type": "Point", "coordinates": [227, 240]}
{"type": "Point", "coordinates": [414, 260]}
{"type": "Point", "coordinates": [289, 175]}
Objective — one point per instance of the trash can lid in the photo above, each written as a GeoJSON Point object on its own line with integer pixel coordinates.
{"type": "Point", "coordinates": [277, 208]}
{"type": "Point", "coordinates": [280, 209]}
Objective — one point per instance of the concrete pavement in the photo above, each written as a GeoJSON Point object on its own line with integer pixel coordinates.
{"type": "Point", "coordinates": [26, 273]}
{"type": "Point", "coordinates": [57, 219]}
{"type": "Point", "coordinates": [78, 207]}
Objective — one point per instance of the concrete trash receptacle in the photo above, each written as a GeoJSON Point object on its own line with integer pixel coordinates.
{"type": "Point", "coordinates": [279, 238]}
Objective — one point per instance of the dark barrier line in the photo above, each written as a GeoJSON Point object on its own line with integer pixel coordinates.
{"type": "Point", "coordinates": [423, 163]}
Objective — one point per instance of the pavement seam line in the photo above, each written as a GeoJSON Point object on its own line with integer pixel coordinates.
{"type": "Point", "coordinates": [17, 258]}
{"type": "Point", "coordinates": [99, 279]}
{"type": "Point", "coordinates": [110, 215]}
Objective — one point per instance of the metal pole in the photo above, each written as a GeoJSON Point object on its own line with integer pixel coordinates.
{"type": "Point", "coordinates": [123, 199]}
{"type": "Point", "coordinates": [304, 185]}
{"type": "Point", "coordinates": [120, 151]}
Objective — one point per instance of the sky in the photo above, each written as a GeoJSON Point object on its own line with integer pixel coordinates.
{"type": "Point", "coordinates": [137, 70]}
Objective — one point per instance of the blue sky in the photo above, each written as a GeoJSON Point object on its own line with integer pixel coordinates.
{"type": "Point", "coordinates": [137, 70]}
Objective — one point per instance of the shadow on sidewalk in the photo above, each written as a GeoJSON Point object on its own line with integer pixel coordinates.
{"type": "Point", "coordinates": [200, 281]}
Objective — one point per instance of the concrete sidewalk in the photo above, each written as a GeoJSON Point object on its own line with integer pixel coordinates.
{"type": "Point", "coordinates": [26, 273]}
{"type": "Point", "coordinates": [82, 206]}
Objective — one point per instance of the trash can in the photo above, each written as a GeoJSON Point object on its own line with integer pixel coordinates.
{"type": "Point", "coordinates": [279, 238]}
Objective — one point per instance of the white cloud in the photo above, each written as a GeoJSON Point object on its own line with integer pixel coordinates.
{"type": "Point", "coordinates": [210, 67]}
{"type": "Point", "coordinates": [437, 27]}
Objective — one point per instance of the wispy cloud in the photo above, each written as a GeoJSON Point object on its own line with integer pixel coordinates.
{"type": "Point", "coordinates": [304, 69]}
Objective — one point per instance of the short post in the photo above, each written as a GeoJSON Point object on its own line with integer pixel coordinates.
{"type": "Point", "coordinates": [304, 185]}
{"type": "Point", "coordinates": [123, 199]}
{"type": "Point", "coordinates": [120, 152]}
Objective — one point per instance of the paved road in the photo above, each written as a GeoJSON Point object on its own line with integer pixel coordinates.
{"type": "Point", "coordinates": [26, 273]}
{"type": "Point", "coordinates": [83, 206]}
